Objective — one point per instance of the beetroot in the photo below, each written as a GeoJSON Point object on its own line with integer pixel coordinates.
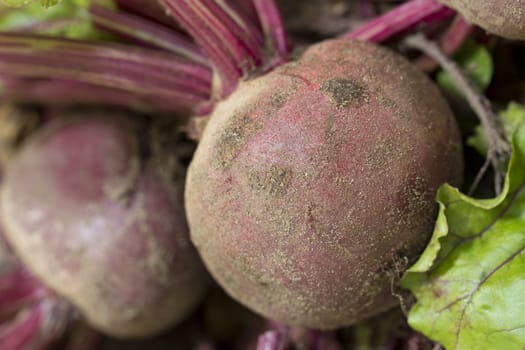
{"type": "Point", "coordinates": [96, 212]}
{"type": "Point", "coordinates": [313, 186]}
{"type": "Point", "coordinates": [502, 17]}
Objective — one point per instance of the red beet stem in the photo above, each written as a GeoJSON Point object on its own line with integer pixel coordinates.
{"type": "Point", "coordinates": [17, 289]}
{"type": "Point", "coordinates": [232, 42]}
{"type": "Point", "coordinates": [399, 19]}
{"type": "Point", "coordinates": [248, 9]}
{"type": "Point", "coordinates": [246, 33]}
{"type": "Point", "coordinates": [146, 32]}
{"type": "Point", "coordinates": [275, 339]}
{"type": "Point", "coordinates": [450, 42]}
{"type": "Point", "coordinates": [147, 74]}
{"type": "Point", "coordinates": [149, 9]}
{"type": "Point", "coordinates": [56, 92]}
{"type": "Point", "coordinates": [102, 62]}
{"type": "Point", "coordinates": [22, 331]}
{"type": "Point", "coordinates": [209, 42]}
{"type": "Point", "coordinates": [36, 326]}
{"type": "Point", "coordinates": [273, 27]}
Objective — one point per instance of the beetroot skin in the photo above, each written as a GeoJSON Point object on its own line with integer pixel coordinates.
{"type": "Point", "coordinates": [313, 186]}
{"type": "Point", "coordinates": [502, 17]}
{"type": "Point", "coordinates": [103, 227]}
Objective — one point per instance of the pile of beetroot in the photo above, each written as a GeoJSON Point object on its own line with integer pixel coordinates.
{"type": "Point", "coordinates": [310, 191]}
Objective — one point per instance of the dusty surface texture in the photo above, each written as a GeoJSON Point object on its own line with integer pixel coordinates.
{"type": "Point", "coordinates": [102, 227]}
{"type": "Point", "coordinates": [314, 184]}
{"type": "Point", "coordinates": [502, 17]}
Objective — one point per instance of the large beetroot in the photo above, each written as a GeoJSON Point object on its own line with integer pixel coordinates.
{"type": "Point", "coordinates": [313, 186]}
{"type": "Point", "coordinates": [502, 17]}
{"type": "Point", "coordinates": [95, 210]}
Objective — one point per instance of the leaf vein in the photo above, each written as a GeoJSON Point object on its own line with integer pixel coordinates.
{"type": "Point", "coordinates": [483, 281]}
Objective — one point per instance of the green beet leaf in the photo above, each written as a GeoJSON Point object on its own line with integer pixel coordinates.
{"type": "Point", "coordinates": [19, 3]}
{"type": "Point", "coordinates": [69, 19]}
{"type": "Point", "coordinates": [511, 118]}
{"type": "Point", "coordinates": [470, 281]}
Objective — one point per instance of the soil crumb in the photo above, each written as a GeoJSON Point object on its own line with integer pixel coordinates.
{"type": "Point", "coordinates": [346, 92]}
{"type": "Point", "coordinates": [274, 181]}
{"type": "Point", "coordinates": [233, 138]}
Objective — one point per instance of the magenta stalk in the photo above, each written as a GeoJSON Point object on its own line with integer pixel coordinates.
{"type": "Point", "coordinates": [273, 27]}
{"type": "Point", "coordinates": [151, 10]}
{"type": "Point", "coordinates": [146, 32]}
{"type": "Point", "coordinates": [232, 43]}
{"type": "Point", "coordinates": [36, 326]}
{"type": "Point", "coordinates": [400, 19]}
{"type": "Point", "coordinates": [450, 42]}
{"type": "Point", "coordinates": [19, 288]}
{"type": "Point", "coordinates": [145, 74]}
{"type": "Point", "coordinates": [60, 93]}
{"type": "Point", "coordinates": [277, 338]}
